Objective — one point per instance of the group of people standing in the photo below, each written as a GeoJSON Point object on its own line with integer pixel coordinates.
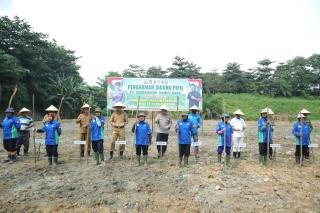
{"type": "Point", "coordinates": [16, 133]}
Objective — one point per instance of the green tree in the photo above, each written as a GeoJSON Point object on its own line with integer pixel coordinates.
{"type": "Point", "coordinates": [184, 69]}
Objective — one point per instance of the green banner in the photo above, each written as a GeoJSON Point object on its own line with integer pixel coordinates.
{"type": "Point", "coordinates": [155, 92]}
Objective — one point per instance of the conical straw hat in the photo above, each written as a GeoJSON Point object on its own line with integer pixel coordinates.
{"type": "Point", "coordinates": [52, 109]}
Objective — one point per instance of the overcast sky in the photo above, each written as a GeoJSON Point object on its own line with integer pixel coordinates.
{"type": "Point", "coordinates": [110, 35]}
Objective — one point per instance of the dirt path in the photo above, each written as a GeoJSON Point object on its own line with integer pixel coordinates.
{"type": "Point", "coordinates": [203, 186]}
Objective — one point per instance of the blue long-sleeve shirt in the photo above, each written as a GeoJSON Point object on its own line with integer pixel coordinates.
{"type": "Point", "coordinates": [264, 131]}
{"type": "Point", "coordinates": [53, 132]}
{"type": "Point", "coordinates": [224, 134]}
{"type": "Point", "coordinates": [97, 128]}
{"type": "Point", "coordinates": [305, 129]}
{"type": "Point", "coordinates": [196, 119]}
{"type": "Point", "coordinates": [143, 133]}
{"type": "Point", "coordinates": [185, 131]}
{"type": "Point", "coordinates": [11, 126]}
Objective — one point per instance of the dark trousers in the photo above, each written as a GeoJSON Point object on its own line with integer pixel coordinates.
{"type": "Point", "coordinates": [305, 150]}
{"type": "Point", "coordinates": [184, 150]}
{"type": "Point", "coordinates": [143, 148]}
{"type": "Point", "coordinates": [220, 150]}
{"type": "Point", "coordinates": [10, 145]}
{"type": "Point", "coordinates": [24, 137]}
{"type": "Point", "coordinates": [162, 137]}
{"type": "Point", "coordinates": [263, 149]}
{"type": "Point", "coordinates": [52, 150]}
{"type": "Point", "coordinates": [97, 146]}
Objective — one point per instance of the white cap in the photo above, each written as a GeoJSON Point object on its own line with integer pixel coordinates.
{"type": "Point", "coordinates": [85, 106]}
{"type": "Point", "coordinates": [119, 104]}
{"type": "Point", "coordinates": [238, 112]}
{"type": "Point", "coordinates": [194, 107]}
{"type": "Point", "coordinates": [52, 109]}
{"type": "Point", "coordinates": [164, 107]}
{"type": "Point", "coordinates": [24, 110]}
{"type": "Point", "coordinates": [304, 111]}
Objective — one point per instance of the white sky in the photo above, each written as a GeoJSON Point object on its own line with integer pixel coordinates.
{"type": "Point", "coordinates": [110, 35]}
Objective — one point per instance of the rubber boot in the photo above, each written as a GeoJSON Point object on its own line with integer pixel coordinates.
{"type": "Point", "coordinates": [101, 156]}
{"type": "Point", "coordinates": [81, 150]}
{"type": "Point", "coordinates": [297, 159]}
{"type": "Point", "coordinates": [235, 154]}
{"type": "Point", "coordinates": [185, 159]}
{"type": "Point", "coordinates": [111, 155]}
{"type": "Point", "coordinates": [239, 155]}
{"type": "Point", "coordinates": [260, 159]}
{"type": "Point", "coordinates": [145, 160]}
{"type": "Point", "coordinates": [228, 160]}
{"type": "Point", "coordinates": [180, 161]}
{"type": "Point", "coordinates": [18, 152]}
{"type": "Point", "coordinates": [55, 161]}
{"type": "Point", "coordinates": [121, 155]}
{"type": "Point", "coordinates": [264, 161]}
{"type": "Point", "coordinates": [49, 161]}
{"type": "Point", "coordinates": [8, 159]}
{"type": "Point", "coordinates": [219, 158]}
{"type": "Point", "coordinates": [88, 152]}
{"type": "Point", "coordinates": [96, 155]}
{"type": "Point", "coordinates": [138, 160]}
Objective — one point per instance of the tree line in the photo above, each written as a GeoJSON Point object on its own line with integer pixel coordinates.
{"type": "Point", "coordinates": [39, 66]}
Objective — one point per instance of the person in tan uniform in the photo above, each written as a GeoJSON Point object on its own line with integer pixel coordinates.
{"type": "Point", "coordinates": [84, 120]}
{"type": "Point", "coordinates": [118, 120]}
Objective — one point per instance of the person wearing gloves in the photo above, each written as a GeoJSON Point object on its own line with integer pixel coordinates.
{"type": "Point", "coordinates": [224, 131]}
{"type": "Point", "coordinates": [143, 136]}
{"type": "Point", "coordinates": [195, 117]}
{"type": "Point", "coordinates": [97, 135]}
{"type": "Point", "coordinates": [11, 126]}
{"type": "Point", "coordinates": [52, 129]}
{"type": "Point", "coordinates": [184, 127]}
{"type": "Point", "coordinates": [265, 129]}
{"type": "Point", "coordinates": [301, 130]}
{"type": "Point", "coordinates": [163, 121]}
{"type": "Point", "coordinates": [84, 121]}
{"type": "Point", "coordinates": [238, 126]}
{"type": "Point", "coordinates": [26, 123]}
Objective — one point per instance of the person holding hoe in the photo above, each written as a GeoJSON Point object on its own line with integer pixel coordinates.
{"type": "Point", "coordinates": [11, 126]}
{"type": "Point", "coordinates": [24, 133]}
{"type": "Point", "coordinates": [97, 135]}
{"type": "Point", "coordinates": [307, 121]}
{"type": "Point", "coordinates": [301, 130]}
{"type": "Point", "coordinates": [195, 117]}
{"type": "Point", "coordinates": [84, 121]}
{"type": "Point", "coordinates": [52, 129]}
{"type": "Point", "coordinates": [118, 120]}
{"type": "Point", "coordinates": [224, 131]}
{"type": "Point", "coordinates": [184, 128]}
{"type": "Point", "coordinates": [265, 129]}
{"type": "Point", "coordinates": [143, 136]}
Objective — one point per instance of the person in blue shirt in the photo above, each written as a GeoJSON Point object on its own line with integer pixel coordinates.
{"type": "Point", "coordinates": [265, 129]}
{"type": "Point", "coordinates": [184, 127]}
{"type": "Point", "coordinates": [11, 127]}
{"type": "Point", "coordinates": [224, 131]}
{"type": "Point", "coordinates": [143, 135]}
{"type": "Point", "coordinates": [301, 130]}
{"type": "Point", "coordinates": [52, 129]}
{"type": "Point", "coordinates": [97, 135]}
{"type": "Point", "coordinates": [195, 117]}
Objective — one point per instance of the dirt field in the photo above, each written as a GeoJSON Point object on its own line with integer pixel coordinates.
{"type": "Point", "coordinates": [203, 186]}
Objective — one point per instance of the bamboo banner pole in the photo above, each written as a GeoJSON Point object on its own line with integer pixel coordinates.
{"type": "Point", "coordinates": [135, 130]}
{"type": "Point", "coordinates": [34, 133]}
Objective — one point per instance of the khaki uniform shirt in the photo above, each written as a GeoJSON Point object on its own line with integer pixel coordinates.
{"type": "Point", "coordinates": [118, 120]}
{"type": "Point", "coordinates": [84, 121]}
